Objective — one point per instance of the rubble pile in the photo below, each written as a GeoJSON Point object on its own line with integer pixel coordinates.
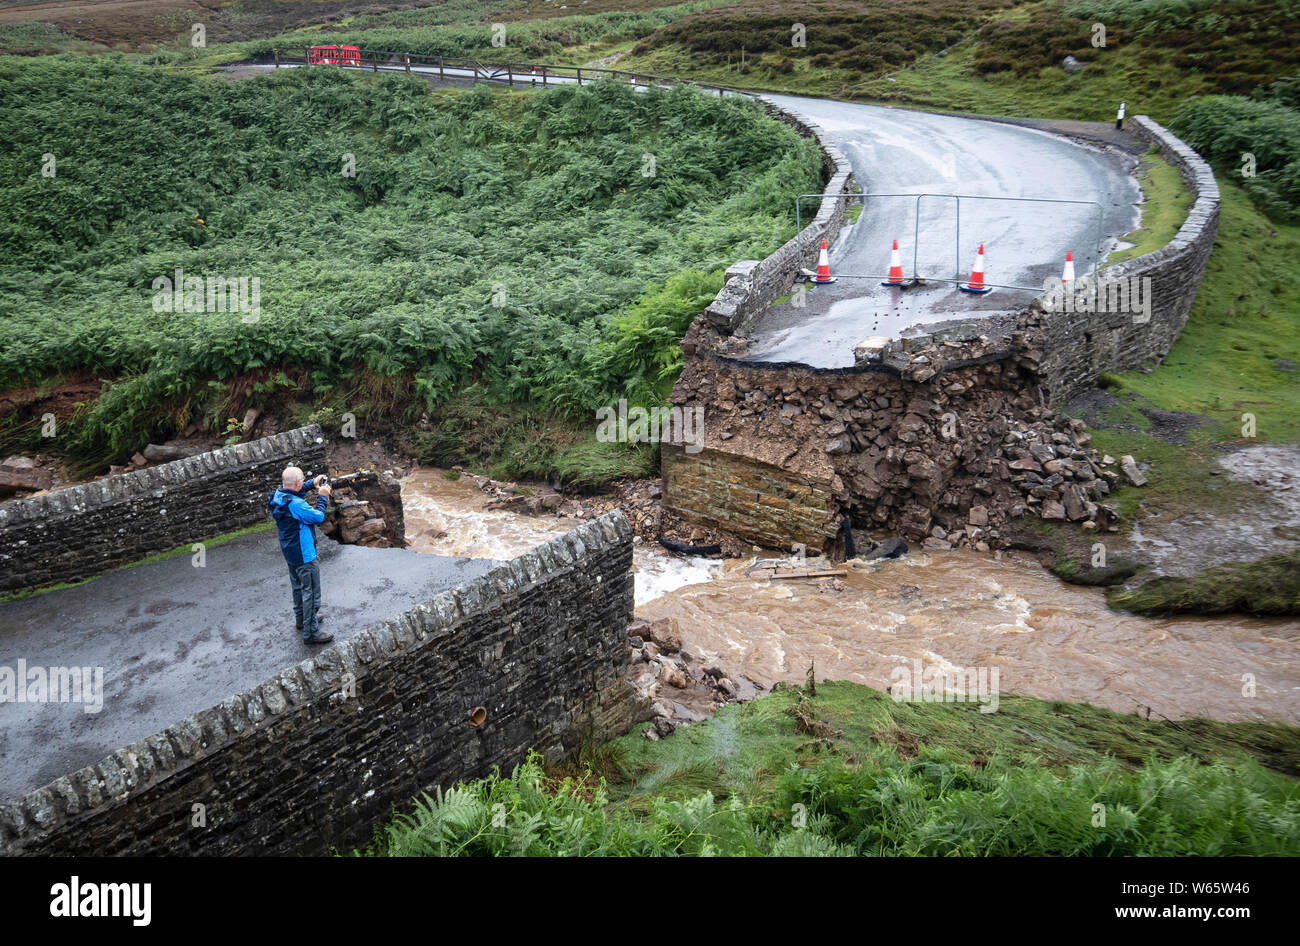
{"type": "Point", "coordinates": [368, 513]}
{"type": "Point", "coordinates": [941, 437]}
{"type": "Point", "coordinates": [678, 687]}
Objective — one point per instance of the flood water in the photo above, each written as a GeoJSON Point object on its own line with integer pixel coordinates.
{"type": "Point", "coordinates": [953, 611]}
{"type": "Point", "coordinates": [432, 504]}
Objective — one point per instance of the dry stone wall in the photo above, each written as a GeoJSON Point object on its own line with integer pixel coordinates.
{"type": "Point", "coordinates": [759, 501]}
{"type": "Point", "coordinates": [750, 286]}
{"type": "Point", "coordinates": [1079, 346]}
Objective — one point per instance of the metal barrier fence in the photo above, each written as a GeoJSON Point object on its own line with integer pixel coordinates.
{"type": "Point", "coordinates": [916, 232]}
{"type": "Point", "coordinates": [508, 73]}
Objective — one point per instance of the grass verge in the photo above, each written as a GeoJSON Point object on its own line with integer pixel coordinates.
{"type": "Point", "coordinates": [1230, 366]}
{"type": "Point", "coordinates": [1165, 201]}
{"type": "Point", "coordinates": [1269, 586]}
{"type": "Point", "coordinates": [851, 771]}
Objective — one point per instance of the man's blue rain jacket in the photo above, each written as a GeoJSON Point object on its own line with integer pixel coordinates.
{"type": "Point", "coordinates": [294, 518]}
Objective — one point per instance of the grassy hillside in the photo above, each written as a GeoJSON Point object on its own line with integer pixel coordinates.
{"type": "Point", "coordinates": [989, 57]}
{"type": "Point", "coordinates": [548, 249]}
{"type": "Point", "coordinates": [985, 56]}
{"type": "Point", "coordinates": [850, 771]}
{"type": "Point", "coordinates": [561, 36]}
{"type": "Point", "coordinates": [1236, 355]}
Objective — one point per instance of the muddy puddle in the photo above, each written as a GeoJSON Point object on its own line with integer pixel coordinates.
{"type": "Point", "coordinates": [952, 611]}
{"type": "Point", "coordinates": [1187, 542]}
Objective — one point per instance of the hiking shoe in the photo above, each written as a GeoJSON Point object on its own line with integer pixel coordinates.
{"type": "Point", "coordinates": [320, 637]}
{"type": "Point", "coordinates": [298, 624]}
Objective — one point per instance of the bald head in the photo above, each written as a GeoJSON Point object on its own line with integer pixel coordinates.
{"type": "Point", "coordinates": [291, 478]}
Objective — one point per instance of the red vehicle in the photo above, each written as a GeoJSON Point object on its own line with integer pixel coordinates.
{"type": "Point", "coordinates": [334, 56]}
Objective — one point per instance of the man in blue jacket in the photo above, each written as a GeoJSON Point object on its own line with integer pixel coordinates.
{"type": "Point", "coordinates": [295, 518]}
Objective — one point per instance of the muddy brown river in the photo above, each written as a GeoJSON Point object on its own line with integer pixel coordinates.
{"type": "Point", "coordinates": [953, 612]}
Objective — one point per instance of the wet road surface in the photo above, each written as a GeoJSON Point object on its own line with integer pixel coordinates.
{"type": "Point", "coordinates": [903, 152]}
{"type": "Point", "coordinates": [174, 639]}
{"type": "Point", "coordinates": [895, 151]}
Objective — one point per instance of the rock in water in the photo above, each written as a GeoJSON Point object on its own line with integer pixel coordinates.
{"type": "Point", "coordinates": [663, 633]}
{"type": "Point", "coordinates": [889, 548]}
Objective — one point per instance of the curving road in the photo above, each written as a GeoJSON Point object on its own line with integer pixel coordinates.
{"type": "Point", "coordinates": [895, 151]}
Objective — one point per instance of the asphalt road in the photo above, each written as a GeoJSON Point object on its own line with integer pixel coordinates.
{"type": "Point", "coordinates": [174, 639]}
{"type": "Point", "coordinates": [895, 151]}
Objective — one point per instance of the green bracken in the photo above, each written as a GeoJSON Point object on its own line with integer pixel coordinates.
{"type": "Point", "coordinates": [889, 778]}
{"type": "Point", "coordinates": [550, 248]}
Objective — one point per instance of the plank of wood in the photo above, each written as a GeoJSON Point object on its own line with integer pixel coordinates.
{"type": "Point", "coordinates": [803, 573]}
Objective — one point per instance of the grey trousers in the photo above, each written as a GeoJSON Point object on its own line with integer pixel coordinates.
{"type": "Point", "coordinates": [305, 582]}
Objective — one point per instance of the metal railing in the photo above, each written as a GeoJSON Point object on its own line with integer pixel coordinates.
{"type": "Point", "coordinates": [508, 73]}
{"type": "Point", "coordinates": [916, 233]}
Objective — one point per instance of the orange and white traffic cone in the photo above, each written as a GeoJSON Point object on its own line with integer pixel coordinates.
{"type": "Point", "coordinates": [895, 268]}
{"type": "Point", "coordinates": [976, 284]}
{"type": "Point", "coordinates": [823, 267]}
{"type": "Point", "coordinates": [1068, 275]}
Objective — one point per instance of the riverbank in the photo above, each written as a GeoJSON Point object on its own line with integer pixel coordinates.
{"type": "Point", "coordinates": [1214, 426]}
{"type": "Point", "coordinates": [842, 769]}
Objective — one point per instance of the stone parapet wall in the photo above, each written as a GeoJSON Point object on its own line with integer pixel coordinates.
{"type": "Point", "coordinates": [751, 285]}
{"type": "Point", "coordinates": [760, 502]}
{"type": "Point", "coordinates": [83, 530]}
{"type": "Point", "coordinates": [1080, 346]}
{"type": "Point", "coordinates": [314, 757]}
